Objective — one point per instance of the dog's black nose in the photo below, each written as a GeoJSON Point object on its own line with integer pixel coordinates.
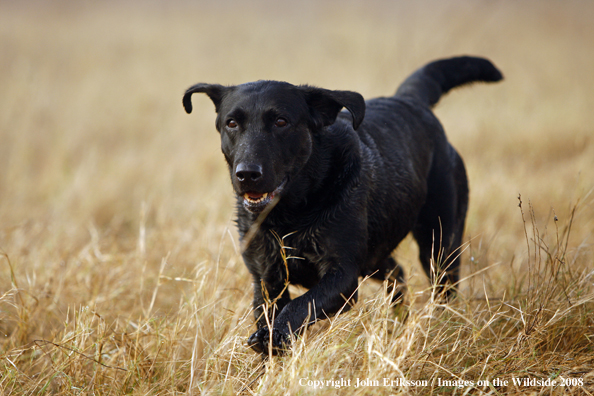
{"type": "Point", "coordinates": [248, 172]}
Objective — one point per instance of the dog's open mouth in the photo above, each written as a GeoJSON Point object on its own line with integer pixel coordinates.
{"type": "Point", "coordinates": [256, 202]}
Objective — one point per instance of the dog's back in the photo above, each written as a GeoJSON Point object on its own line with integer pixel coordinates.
{"type": "Point", "coordinates": [415, 175]}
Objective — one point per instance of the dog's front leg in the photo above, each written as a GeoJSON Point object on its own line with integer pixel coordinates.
{"type": "Point", "coordinates": [272, 296]}
{"type": "Point", "coordinates": [336, 290]}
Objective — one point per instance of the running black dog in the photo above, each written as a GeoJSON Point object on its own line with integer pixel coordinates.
{"type": "Point", "coordinates": [343, 188]}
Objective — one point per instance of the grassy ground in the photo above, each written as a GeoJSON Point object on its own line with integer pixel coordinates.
{"type": "Point", "coordinates": [119, 263]}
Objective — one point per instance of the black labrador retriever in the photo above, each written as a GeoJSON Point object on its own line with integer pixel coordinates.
{"type": "Point", "coordinates": [342, 188]}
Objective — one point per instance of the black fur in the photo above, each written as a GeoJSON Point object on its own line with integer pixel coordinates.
{"type": "Point", "coordinates": [343, 187]}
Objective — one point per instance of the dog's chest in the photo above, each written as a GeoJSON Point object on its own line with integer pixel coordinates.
{"type": "Point", "coordinates": [306, 257]}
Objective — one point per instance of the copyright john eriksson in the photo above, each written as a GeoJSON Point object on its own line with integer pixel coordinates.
{"type": "Point", "coordinates": [453, 383]}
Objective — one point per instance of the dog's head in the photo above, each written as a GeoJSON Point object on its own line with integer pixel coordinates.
{"type": "Point", "coordinates": [268, 130]}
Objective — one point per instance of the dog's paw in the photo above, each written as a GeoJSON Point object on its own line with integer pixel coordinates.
{"type": "Point", "coordinates": [260, 341]}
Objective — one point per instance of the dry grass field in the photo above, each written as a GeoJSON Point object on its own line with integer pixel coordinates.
{"type": "Point", "coordinates": [120, 270]}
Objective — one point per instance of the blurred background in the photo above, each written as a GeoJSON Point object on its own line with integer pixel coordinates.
{"type": "Point", "coordinates": [108, 188]}
{"type": "Point", "coordinates": [93, 135]}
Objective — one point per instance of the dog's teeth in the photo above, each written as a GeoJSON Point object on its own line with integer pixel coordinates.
{"type": "Point", "coordinates": [255, 200]}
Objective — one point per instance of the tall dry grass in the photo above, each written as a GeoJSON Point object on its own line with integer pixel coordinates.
{"type": "Point", "coordinates": [119, 264]}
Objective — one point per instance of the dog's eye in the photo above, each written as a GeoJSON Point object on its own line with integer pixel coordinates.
{"type": "Point", "coordinates": [280, 122]}
{"type": "Point", "coordinates": [232, 124]}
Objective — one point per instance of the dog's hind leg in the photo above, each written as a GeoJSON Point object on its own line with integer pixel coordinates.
{"type": "Point", "coordinates": [390, 270]}
{"type": "Point", "coordinates": [461, 183]}
{"type": "Point", "coordinates": [440, 224]}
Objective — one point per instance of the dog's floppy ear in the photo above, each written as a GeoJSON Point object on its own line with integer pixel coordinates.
{"type": "Point", "coordinates": [214, 91]}
{"type": "Point", "coordinates": [326, 104]}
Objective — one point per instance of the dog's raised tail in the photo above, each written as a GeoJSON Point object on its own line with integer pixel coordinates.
{"type": "Point", "coordinates": [435, 79]}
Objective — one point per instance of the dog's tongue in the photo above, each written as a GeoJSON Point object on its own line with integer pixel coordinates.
{"type": "Point", "coordinates": [254, 195]}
